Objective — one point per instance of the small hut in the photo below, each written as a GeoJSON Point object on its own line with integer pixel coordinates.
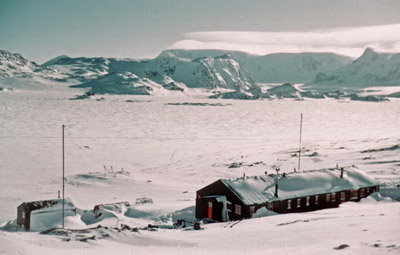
{"type": "Point", "coordinates": [45, 207]}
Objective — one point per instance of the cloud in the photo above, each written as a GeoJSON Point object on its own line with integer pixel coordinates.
{"type": "Point", "coordinates": [346, 41]}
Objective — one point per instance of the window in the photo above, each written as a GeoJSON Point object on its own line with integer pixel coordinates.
{"type": "Point", "coordinates": [377, 188]}
{"type": "Point", "coordinates": [362, 192]}
{"type": "Point", "coordinates": [333, 197]}
{"type": "Point", "coordinates": [328, 198]}
{"type": "Point", "coordinates": [307, 201]}
{"type": "Point", "coordinates": [354, 194]}
{"type": "Point", "coordinates": [238, 209]}
{"type": "Point", "coordinates": [316, 199]}
{"type": "Point", "coordinates": [367, 190]}
{"type": "Point", "coordinates": [289, 204]}
{"type": "Point", "coordinates": [252, 210]}
{"type": "Point", "coordinates": [270, 206]}
{"type": "Point", "coordinates": [298, 202]}
{"type": "Point", "coordinates": [342, 196]}
{"type": "Point", "coordinates": [229, 206]}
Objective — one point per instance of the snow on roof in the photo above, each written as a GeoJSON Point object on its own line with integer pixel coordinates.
{"type": "Point", "coordinates": [261, 189]}
{"type": "Point", "coordinates": [42, 204]}
{"type": "Point", "coordinates": [34, 205]}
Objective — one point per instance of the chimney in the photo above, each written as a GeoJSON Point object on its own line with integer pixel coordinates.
{"type": "Point", "coordinates": [276, 182]}
{"type": "Point", "coordinates": [341, 172]}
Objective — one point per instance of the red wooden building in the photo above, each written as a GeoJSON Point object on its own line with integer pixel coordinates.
{"type": "Point", "coordinates": [234, 199]}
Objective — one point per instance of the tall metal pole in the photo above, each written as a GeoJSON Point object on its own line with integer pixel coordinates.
{"type": "Point", "coordinates": [63, 171]}
{"type": "Point", "coordinates": [301, 126]}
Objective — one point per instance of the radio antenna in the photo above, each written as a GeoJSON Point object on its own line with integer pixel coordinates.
{"type": "Point", "coordinates": [301, 127]}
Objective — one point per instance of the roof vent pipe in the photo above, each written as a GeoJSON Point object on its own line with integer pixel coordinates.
{"type": "Point", "coordinates": [276, 182]}
{"type": "Point", "coordinates": [341, 172]}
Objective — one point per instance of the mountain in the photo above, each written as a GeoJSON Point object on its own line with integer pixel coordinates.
{"type": "Point", "coordinates": [81, 69]}
{"type": "Point", "coordinates": [225, 74]}
{"type": "Point", "coordinates": [204, 72]}
{"type": "Point", "coordinates": [276, 68]}
{"type": "Point", "coordinates": [15, 65]}
{"type": "Point", "coordinates": [167, 71]}
{"type": "Point", "coordinates": [127, 83]}
{"type": "Point", "coordinates": [370, 69]}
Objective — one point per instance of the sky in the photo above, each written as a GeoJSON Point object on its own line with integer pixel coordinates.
{"type": "Point", "coordinates": [43, 29]}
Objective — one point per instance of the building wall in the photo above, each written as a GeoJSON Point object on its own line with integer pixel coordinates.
{"type": "Point", "coordinates": [23, 217]}
{"type": "Point", "coordinates": [322, 203]}
{"type": "Point", "coordinates": [202, 208]}
{"type": "Point", "coordinates": [218, 189]}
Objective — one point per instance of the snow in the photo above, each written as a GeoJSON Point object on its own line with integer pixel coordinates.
{"type": "Point", "coordinates": [369, 70]}
{"type": "Point", "coordinates": [179, 72]}
{"type": "Point", "coordinates": [276, 68]}
{"type": "Point", "coordinates": [167, 146]}
{"type": "Point", "coordinates": [261, 189]}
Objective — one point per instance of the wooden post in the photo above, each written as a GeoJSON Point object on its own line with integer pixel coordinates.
{"type": "Point", "coordinates": [63, 173]}
{"type": "Point", "coordinates": [301, 127]}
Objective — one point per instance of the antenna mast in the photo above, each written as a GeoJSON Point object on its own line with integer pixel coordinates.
{"type": "Point", "coordinates": [63, 170]}
{"type": "Point", "coordinates": [301, 126]}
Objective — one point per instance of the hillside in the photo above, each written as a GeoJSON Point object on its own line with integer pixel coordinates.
{"type": "Point", "coordinates": [277, 68]}
{"type": "Point", "coordinates": [167, 71]}
{"type": "Point", "coordinates": [15, 65]}
{"type": "Point", "coordinates": [218, 73]}
{"type": "Point", "coordinates": [370, 69]}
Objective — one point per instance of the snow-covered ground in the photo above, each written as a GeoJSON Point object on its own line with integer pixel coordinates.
{"type": "Point", "coordinates": [121, 148]}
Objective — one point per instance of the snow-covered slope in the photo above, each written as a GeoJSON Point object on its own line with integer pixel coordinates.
{"type": "Point", "coordinates": [292, 67]}
{"type": "Point", "coordinates": [370, 69]}
{"type": "Point", "coordinates": [286, 90]}
{"type": "Point", "coordinates": [207, 72]}
{"type": "Point", "coordinates": [129, 84]}
{"type": "Point", "coordinates": [166, 148]}
{"type": "Point", "coordinates": [167, 71]}
{"type": "Point", "coordinates": [15, 65]}
{"type": "Point", "coordinates": [81, 69]}
{"type": "Point", "coordinates": [277, 68]}
{"type": "Point", "coordinates": [234, 75]}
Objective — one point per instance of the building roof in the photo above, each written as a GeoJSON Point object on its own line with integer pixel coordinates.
{"type": "Point", "coordinates": [34, 205]}
{"type": "Point", "coordinates": [261, 189]}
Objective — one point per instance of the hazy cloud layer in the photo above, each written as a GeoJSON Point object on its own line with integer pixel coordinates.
{"type": "Point", "coordinates": [346, 41]}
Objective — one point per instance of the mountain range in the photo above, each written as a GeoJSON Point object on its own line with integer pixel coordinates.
{"type": "Point", "coordinates": [371, 69]}
{"type": "Point", "coordinates": [225, 74]}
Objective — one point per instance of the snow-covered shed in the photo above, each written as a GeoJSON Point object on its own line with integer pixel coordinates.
{"type": "Point", "coordinates": [43, 210]}
{"type": "Point", "coordinates": [233, 199]}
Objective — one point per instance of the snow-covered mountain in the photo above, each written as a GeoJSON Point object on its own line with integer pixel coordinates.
{"type": "Point", "coordinates": [277, 68]}
{"type": "Point", "coordinates": [210, 69]}
{"type": "Point", "coordinates": [130, 84]}
{"type": "Point", "coordinates": [205, 72]}
{"type": "Point", "coordinates": [81, 69]}
{"type": "Point", "coordinates": [167, 71]}
{"type": "Point", "coordinates": [226, 74]}
{"type": "Point", "coordinates": [370, 69]}
{"type": "Point", "coordinates": [15, 65]}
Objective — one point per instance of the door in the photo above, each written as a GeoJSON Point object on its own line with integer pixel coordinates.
{"type": "Point", "coordinates": [210, 207]}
